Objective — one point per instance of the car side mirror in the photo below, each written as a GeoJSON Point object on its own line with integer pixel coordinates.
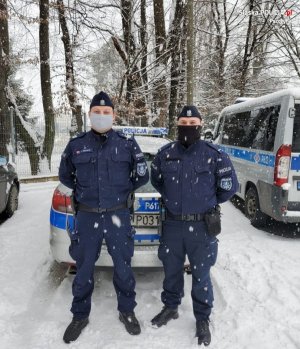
{"type": "Point", "coordinates": [208, 136]}
{"type": "Point", "coordinates": [3, 161]}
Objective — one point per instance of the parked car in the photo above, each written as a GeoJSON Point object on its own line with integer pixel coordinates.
{"type": "Point", "coordinates": [9, 188]}
{"type": "Point", "coordinates": [262, 137]}
{"type": "Point", "coordinates": [145, 218]}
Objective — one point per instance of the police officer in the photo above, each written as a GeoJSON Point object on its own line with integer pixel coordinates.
{"type": "Point", "coordinates": [103, 167]}
{"type": "Point", "coordinates": [193, 177]}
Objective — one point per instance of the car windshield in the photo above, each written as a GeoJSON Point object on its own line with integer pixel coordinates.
{"type": "Point", "coordinates": [149, 146]}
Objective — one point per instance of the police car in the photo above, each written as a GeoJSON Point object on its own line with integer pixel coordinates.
{"type": "Point", "coordinates": [146, 210]}
{"type": "Point", "coordinates": [262, 137]}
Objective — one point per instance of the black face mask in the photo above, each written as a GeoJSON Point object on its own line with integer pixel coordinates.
{"type": "Point", "coordinates": [188, 135]}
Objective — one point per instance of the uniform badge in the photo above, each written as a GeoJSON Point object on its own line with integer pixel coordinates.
{"type": "Point", "coordinates": [226, 183]}
{"type": "Point", "coordinates": [141, 169]}
{"type": "Point", "coordinates": [189, 113]}
{"type": "Point", "coordinates": [102, 102]}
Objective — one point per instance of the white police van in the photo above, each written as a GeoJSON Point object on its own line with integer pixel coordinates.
{"type": "Point", "coordinates": [146, 210]}
{"type": "Point", "coordinates": [262, 138]}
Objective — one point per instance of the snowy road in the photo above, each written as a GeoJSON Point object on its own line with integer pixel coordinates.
{"type": "Point", "coordinates": [256, 281]}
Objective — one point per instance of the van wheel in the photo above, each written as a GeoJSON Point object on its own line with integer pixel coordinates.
{"type": "Point", "coordinates": [252, 209]}
{"type": "Point", "coordinates": [12, 202]}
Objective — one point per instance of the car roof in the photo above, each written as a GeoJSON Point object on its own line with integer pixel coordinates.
{"type": "Point", "coordinates": [269, 98]}
{"type": "Point", "coordinates": [151, 145]}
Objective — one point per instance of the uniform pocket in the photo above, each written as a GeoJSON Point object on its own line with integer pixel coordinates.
{"type": "Point", "coordinates": [131, 233]}
{"type": "Point", "coordinates": [120, 167]}
{"type": "Point", "coordinates": [202, 181]}
{"type": "Point", "coordinates": [85, 168]}
{"type": "Point", "coordinates": [199, 172]}
{"type": "Point", "coordinates": [74, 238]}
{"type": "Point", "coordinates": [129, 249]}
{"type": "Point", "coordinates": [74, 246]}
{"type": "Point", "coordinates": [213, 251]}
{"type": "Point", "coordinates": [170, 174]}
{"type": "Point", "coordinates": [169, 167]}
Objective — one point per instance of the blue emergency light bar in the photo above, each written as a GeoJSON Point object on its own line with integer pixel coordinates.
{"type": "Point", "coordinates": [144, 131]}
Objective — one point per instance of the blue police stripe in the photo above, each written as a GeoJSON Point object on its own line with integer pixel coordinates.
{"type": "Point", "coordinates": [251, 156]}
{"type": "Point", "coordinates": [147, 205]}
{"type": "Point", "coordinates": [258, 158]}
{"type": "Point", "coordinates": [295, 163]}
{"type": "Point", "coordinates": [58, 220]}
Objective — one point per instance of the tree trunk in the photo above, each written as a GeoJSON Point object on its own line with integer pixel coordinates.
{"type": "Point", "coordinates": [144, 41]}
{"type": "Point", "coordinates": [160, 99]}
{"type": "Point", "coordinates": [70, 78]}
{"type": "Point", "coordinates": [247, 52]}
{"type": "Point", "coordinates": [190, 53]}
{"type": "Point", "coordinates": [135, 98]}
{"type": "Point", "coordinates": [46, 81]}
{"type": "Point", "coordinates": [174, 46]}
{"type": "Point", "coordinates": [4, 72]}
{"type": "Point", "coordinates": [126, 12]}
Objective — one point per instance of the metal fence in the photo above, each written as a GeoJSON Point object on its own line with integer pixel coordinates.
{"type": "Point", "coordinates": [25, 147]}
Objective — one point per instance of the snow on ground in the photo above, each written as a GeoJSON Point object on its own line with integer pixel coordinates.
{"type": "Point", "coordinates": [256, 282]}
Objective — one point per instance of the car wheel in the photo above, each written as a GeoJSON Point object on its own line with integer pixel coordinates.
{"type": "Point", "coordinates": [12, 202]}
{"type": "Point", "coordinates": [252, 209]}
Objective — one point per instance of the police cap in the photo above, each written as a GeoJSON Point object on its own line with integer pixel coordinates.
{"type": "Point", "coordinates": [101, 99]}
{"type": "Point", "coordinates": [189, 111]}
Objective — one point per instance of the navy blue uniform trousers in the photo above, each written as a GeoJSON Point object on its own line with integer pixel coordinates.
{"type": "Point", "coordinates": [86, 240]}
{"type": "Point", "coordinates": [181, 238]}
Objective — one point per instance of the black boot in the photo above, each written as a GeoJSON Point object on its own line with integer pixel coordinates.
{"type": "Point", "coordinates": [165, 316]}
{"type": "Point", "coordinates": [74, 329]}
{"type": "Point", "coordinates": [131, 323]}
{"type": "Point", "coordinates": [202, 332]}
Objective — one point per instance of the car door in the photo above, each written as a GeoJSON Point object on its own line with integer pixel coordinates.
{"type": "Point", "coordinates": [3, 183]}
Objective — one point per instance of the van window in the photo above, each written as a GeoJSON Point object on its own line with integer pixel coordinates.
{"type": "Point", "coordinates": [219, 127]}
{"type": "Point", "coordinates": [235, 128]}
{"type": "Point", "coordinates": [262, 128]}
{"type": "Point", "coordinates": [255, 130]}
{"type": "Point", "coordinates": [296, 131]}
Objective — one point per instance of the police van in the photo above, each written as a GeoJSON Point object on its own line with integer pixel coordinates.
{"type": "Point", "coordinates": [145, 219]}
{"type": "Point", "coordinates": [262, 138]}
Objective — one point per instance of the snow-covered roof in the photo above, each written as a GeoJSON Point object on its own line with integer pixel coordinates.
{"type": "Point", "coordinates": [294, 92]}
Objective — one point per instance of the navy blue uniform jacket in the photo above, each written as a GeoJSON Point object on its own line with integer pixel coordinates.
{"type": "Point", "coordinates": [194, 179]}
{"type": "Point", "coordinates": [103, 173]}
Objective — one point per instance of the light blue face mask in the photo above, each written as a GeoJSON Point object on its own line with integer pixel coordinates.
{"type": "Point", "coordinates": [101, 123]}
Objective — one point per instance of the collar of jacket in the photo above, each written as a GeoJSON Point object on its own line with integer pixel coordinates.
{"type": "Point", "coordinates": [191, 148]}
{"type": "Point", "coordinates": [101, 136]}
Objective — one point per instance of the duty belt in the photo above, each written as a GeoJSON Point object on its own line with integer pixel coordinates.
{"type": "Point", "coordinates": [85, 208]}
{"type": "Point", "coordinates": [185, 217]}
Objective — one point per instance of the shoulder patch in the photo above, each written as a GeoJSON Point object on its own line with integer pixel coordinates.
{"type": "Point", "coordinates": [166, 146]}
{"type": "Point", "coordinates": [226, 183]}
{"type": "Point", "coordinates": [213, 146]}
{"type": "Point", "coordinates": [79, 135]}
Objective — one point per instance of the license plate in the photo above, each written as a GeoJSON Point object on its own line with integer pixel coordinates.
{"type": "Point", "coordinates": [145, 220]}
{"type": "Point", "coordinates": [298, 185]}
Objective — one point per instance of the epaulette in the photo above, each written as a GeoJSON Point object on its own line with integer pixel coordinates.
{"type": "Point", "coordinates": [166, 146]}
{"type": "Point", "coordinates": [123, 135]}
{"type": "Point", "coordinates": [213, 146]}
{"type": "Point", "coordinates": [79, 135]}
